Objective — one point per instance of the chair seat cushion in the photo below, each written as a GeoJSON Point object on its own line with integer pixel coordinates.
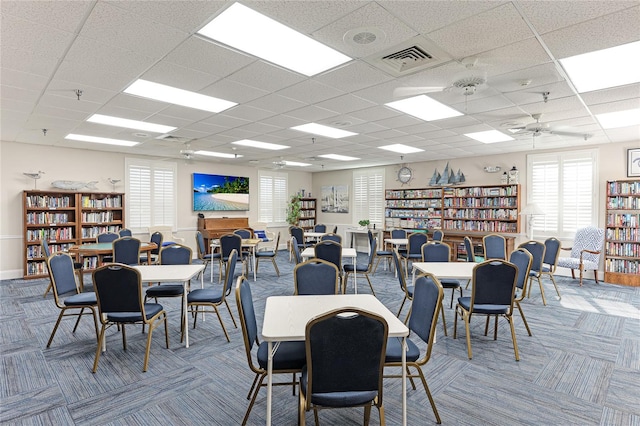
{"type": "Point", "coordinates": [206, 295]}
{"type": "Point", "coordinates": [358, 268]}
{"type": "Point", "coordinates": [410, 290]}
{"type": "Point", "coordinates": [266, 253]}
{"type": "Point", "coordinates": [337, 399]}
{"type": "Point", "coordinates": [165, 290]}
{"type": "Point", "coordinates": [81, 299]}
{"type": "Point", "coordinates": [412, 256]}
{"type": "Point", "coordinates": [465, 302]}
{"type": "Point", "coordinates": [394, 350]}
{"type": "Point", "coordinates": [150, 310]}
{"type": "Point", "coordinates": [384, 253]}
{"type": "Point", "coordinates": [289, 356]}
{"type": "Point", "coordinates": [572, 263]}
{"type": "Point", "coordinates": [210, 256]}
{"type": "Point", "coordinates": [77, 265]}
{"type": "Point", "coordinates": [449, 283]}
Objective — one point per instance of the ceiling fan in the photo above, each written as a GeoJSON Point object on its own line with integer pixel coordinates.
{"type": "Point", "coordinates": [538, 128]}
{"type": "Point", "coordinates": [187, 152]}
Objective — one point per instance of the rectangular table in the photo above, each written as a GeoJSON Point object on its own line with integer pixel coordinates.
{"type": "Point", "coordinates": [351, 253]}
{"type": "Point", "coordinates": [286, 317]}
{"type": "Point", "coordinates": [352, 232]}
{"type": "Point", "coordinates": [453, 270]}
{"type": "Point", "coordinates": [174, 273]}
{"type": "Point", "coordinates": [251, 244]}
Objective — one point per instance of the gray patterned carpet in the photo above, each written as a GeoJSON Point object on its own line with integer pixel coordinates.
{"type": "Point", "coordinates": [580, 367]}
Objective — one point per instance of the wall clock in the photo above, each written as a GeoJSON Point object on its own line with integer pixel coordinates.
{"type": "Point", "coordinates": [405, 174]}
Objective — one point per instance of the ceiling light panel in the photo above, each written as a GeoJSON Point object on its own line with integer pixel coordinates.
{"type": "Point", "coordinates": [322, 130]}
{"type": "Point", "coordinates": [261, 145]}
{"type": "Point", "coordinates": [96, 139]}
{"type": "Point", "coordinates": [295, 163]}
{"type": "Point", "coordinates": [338, 157]}
{"type": "Point", "coordinates": [217, 154]}
{"type": "Point", "coordinates": [130, 124]}
{"type": "Point", "coordinates": [424, 108]}
{"type": "Point", "coordinates": [614, 120]}
{"type": "Point", "coordinates": [172, 95]}
{"type": "Point", "coordinates": [401, 149]}
{"type": "Point", "coordinates": [245, 29]}
{"type": "Point", "coordinates": [489, 136]}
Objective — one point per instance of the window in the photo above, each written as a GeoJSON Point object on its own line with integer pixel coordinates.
{"type": "Point", "coordinates": [368, 196]}
{"type": "Point", "coordinates": [151, 193]}
{"type": "Point", "coordinates": [563, 185]}
{"type": "Point", "coordinates": [272, 197]}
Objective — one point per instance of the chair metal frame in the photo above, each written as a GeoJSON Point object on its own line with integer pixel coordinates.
{"type": "Point", "coordinates": [152, 256]}
{"type": "Point", "coordinates": [207, 258]}
{"type": "Point", "coordinates": [77, 267]}
{"type": "Point", "coordinates": [523, 280]}
{"type": "Point", "coordinates": [537, 250]}
{"type": "Point", "coordinates": [414, 247]}
{"type": "Point", "coordinates": [402, 279]}
{"type": "Point", "coordinates": [353, 269]}
{"type": "Point", "coordinates": [550, 261]}
{"type": "Point", "coordinates": [295, 248]}
{"type": "Point", "coordinates": [269, 254]}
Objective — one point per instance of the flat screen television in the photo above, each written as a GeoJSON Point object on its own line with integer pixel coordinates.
{"type": "Point", "coordinates": [220, 192]}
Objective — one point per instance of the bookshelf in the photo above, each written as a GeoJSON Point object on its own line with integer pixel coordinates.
{"type": "Point", "coordinates": [622, 236]}
{"type": "Point", "coordinates": [99, 213]}
{"type": "Point", "coordinates": [413, 208]}
{"type": "Point", "coordinates": [307, 213]}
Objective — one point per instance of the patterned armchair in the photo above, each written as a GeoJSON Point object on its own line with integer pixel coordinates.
{"type": "Point", "coordinates": [585, 253]}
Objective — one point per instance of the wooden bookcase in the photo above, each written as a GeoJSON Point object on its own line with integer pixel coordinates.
{"type": "Point", "coordinates": [307, 213]}
{"type": "Point", "coordinates": [66, 218]}
{"type": "Point", "coordinates": [622, 234]}
{"type": "Point", "coordinates": [493, 208]}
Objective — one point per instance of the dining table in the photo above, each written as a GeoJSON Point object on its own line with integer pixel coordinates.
{"type": "Point", "coordinates": [247, 243]}
{"type": "Point", "coordinates": [347, 252]}
{"type": "Point", "coordinates": [286, 318]}
{"type": "Point", "coordinates": [452, 270]}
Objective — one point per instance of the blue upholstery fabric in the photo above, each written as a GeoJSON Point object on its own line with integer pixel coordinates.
{"type": "Point", "coordinates": [211, 295]}
{"type": "Point", "coordinates": [165, 290]}
{"type": "Point", "coordinates": [424, 309]}
{"type": "Point", "coordinates": [495, 247]}
{"type": "Point", "coordinates": [551, 252]}
{"type": "Point", "coordinates": [107, 237]}
{"type": "Point", "coordinates": [125, 232]}
{"type": "Point", "coordinates": [63, 274]}
{"type": "Point", "coordinates": [522, 259]}
{"type": "Point", "coordinates": [243, 233]}
{"type": "Point", "coordinates": [320, 228]}
{"type": "Point", "coordinates": [394, 350]}
{"type": "Point", "coordinates": [289, 356]}
{"type": "Point", "coordinates": [329, 251]}
{"type": "Point", "coordinates": [332, 237]}
{"type": "Point", "coordinates": [150, 309]}
{"type": "Point", "coordinates": [589, 238]}
{"type": "Point", "coordinates": [87, 298]}
{"type": "Point", "coordinates": [298, 233]}
{"type": "Point", "coordinates": [173, 255]}
{"type": "Point", "coordinates": [126, 250]}
{"type": "Point", "coordinates": [438, 235]}
{"type": "Point", "coordinates": [537, 250]}
{"type": "Point", "coordinates": [265, 253]}
{"type": "Point", "coordinates": [316, 278]}
{"type": "Point", "coordinates": [296, 250]}
{"type": "Point", "coordinates": [478, 308]}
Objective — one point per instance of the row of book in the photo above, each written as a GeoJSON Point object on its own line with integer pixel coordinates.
{"type": "Point", "coordinates": [413, 193]}
{"type": "Point", "coordinates": [618, 219]}
{"type": "Point", "coordinates": [307, 204]}
{"type": "Point", "coordinates": [415, 204]}
{"type": "Point", "coordinates": [508, 191]}
{"type": "Point", "coordinates": [479, 226]}
{"type": "Point", "coordinates": [93, 231]}
{"type": "Point", "coordinates": [623, 188]}
{"type": "Point", "coordinates": [623, 234]}
{"type": "Point", "coordinates": [50, 234]}
{"type": "Point", "coordinates": [497, 214]}
{"type": "Point", "coordinates": [101, 203]}
{"type": "Point", "coordinates": [622, 249]}
{"type": "Point", "coordinates": [622, 202]}
{"type": "Point", "coordinates": [46, 218]}
{"type": "Point", "coordinates": [37, 268]}
{"type": "Point", "coordinates": [97, 217]}
{"type": "Point", "coordinates": [622, 266]}
{"type": "Point", "coordinates": [35, 251]}
{"type": "Point", "coordinates": [306, 223]}
{"type": "Point", "coordinates": [307, 213]}
{"type": "Point", "coordinates": [481, 202]}
{"type": "Point", "coordinates": [413, 213]}
{"type": "Point", "coordinates": [49, 202]}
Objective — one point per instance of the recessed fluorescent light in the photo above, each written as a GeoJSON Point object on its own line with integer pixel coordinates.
{"type": "Point", "coordinates": [172, 95]}
{"type": "Point", "coordinates": [489, 136]}
{"type": "Point", "coordinates": [217, 154]}
{"type": "Point", "coordinates": [247, 30]}
{"type": "Point", "coordinates": [319, 129]}
{"type": "Point", "coordinates": [613, 120]}
{"type": "Point", "coordinates": [129, 124]}
{"type": "Point", "coordinates": [338, 157]}
{"type": "Point", "coordinates": [96, 139]}
{"type": "Point", "coordinates": [261, 145]}
{"type": "Point", "coordinates": [424, 108]}
{"type": "Point", "coordinates": [605, 68]}
{"type": "Point", "coordinates": [295, 163]}
{"type": "Point", "coordinates": [400, 148]}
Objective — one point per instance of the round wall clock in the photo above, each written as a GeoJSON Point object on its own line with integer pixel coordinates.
{"type": "Point", "coordinates": [405, 174]}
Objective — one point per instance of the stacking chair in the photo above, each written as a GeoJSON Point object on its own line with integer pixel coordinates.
{"type": "Point", "coordinates": [316, 277]}
{"type": "Point", "coordinates": [414, 247]}
{"type": "Point", "coordinates": [214, 297]}
{"type": "Point", "coordinates": [126, 250]}
{"type": "Point", "coordinates": [492, 294]}
{"type": "Point", "coordinates": [427, 300]}
{"type": "Point", "coordinates": [536, 249]}
{"type": "Point", "coordinates": [522, 259]}
{"type": "Point", "coordinates": [399, 234]}
{"type": "Point", "coordinates": [152, 257]}
{"type": "Point", "coordinates": [63, 282]}
{"type": "Point", "coordinates": [269, 254]}
{"type": "Point", "coordinates": [331, 252]}
{"type": "Point", "coordinates": [175, 254]}
{"type": "Point", "coordinates": [332, 380]}
{"type": "Point", "coordinates": [289, 358]}
{"type": "Point", "coordinates": [585, 252]}
{"type": "Point", "coordinates": [332, 237]}
{"type": "Point", "coordinates": [245, 234]}
{"type": "Point", "coordinates": [436, 251]}
{"type": "Point", "coordinates": [361, 269]}
{"type": "Point", "coordinates": [407, 290]}
{"type": "Point", "coordinates": [208, 258]}
{"type": "Point", "coordinates": [550, 262]}
{"type": "Point", "coordinates": [320, 228]}
{"type": "Point", "coordinates": [296, 250]}
{"type": "Point", "coordinates": [77, 267]}
{"type": "Point", "coordinates": [230, 242]}
{"type": "Point", "coordinates": [124, 232]}
{"type": "Point", "coordinates": [386, 255]}
{"type": "Point", "coordinates": [298, 232]}
{"type": "Point", "coordinates": [107, 237]}
{"type": "Point", "coordinates": [119, 294]}
{"type": "Point", "coordinates": [495, 247]}
{"type": "Point", "coordinates": [471, 256]}
{"type": "Point", "coordinates": [438, 235]}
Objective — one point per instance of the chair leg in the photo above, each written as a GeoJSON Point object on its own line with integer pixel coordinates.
{"type": "Point", "coordinates": [230, 313]}
{"type": "Point", "coordinates": [253, 398]}
{"type": "Point", "coordinates": [595, 275]}
{"type": "Point", "coordinates": [98, 349]}
{"type": "Point", "coordinates": [301, 410]}
{"type": "Point", "coordinates": [444, 321]}
{"type": "Point", "coordinates": [47, 290]}
{"type": "Point", "coordinates": [367, 414]}
{"type": "Point", "coordinates": [78, 320]}
{"type": "Point", "coordinates": [544, 299]}
{"type": "Point", "coordinates": [401, 306]}
{"type": "Point", "coordinates": [495, 328]}
{"type": "Point", "coordinates": [526, 325]}
{"type": "Point", "coordinates": [55, 327]}
{"type": "Point", "coordinates": [370, 285]}
{"type": "Point", "coordinates": [253, 385]}
{"type": "Point", "coordinates": [426, 389]}
{"type": "Point", "coordinates": [275, 266]}
{"type": "Point", "coordinates": [221, 323]}
{"type": "Point", "coordinates": [381, 414]}
{"type": "Point", "coordinates": [513, 337]}
{"type": "Point", "coordinates": [553, 280]}
{"type": "Point", "coordinates": [148, 349]}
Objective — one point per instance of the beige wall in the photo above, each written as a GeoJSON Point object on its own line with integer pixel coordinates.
{"type": "Point", "coordinates": [84, 165]}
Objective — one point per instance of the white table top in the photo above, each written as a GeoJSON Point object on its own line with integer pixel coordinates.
{"type": "Point", "coordinates": [397, 241]}
{"type": "Point", "coordinates": [315, 234]}
{"type": "Point", "coordinates": [286, 317]}
{"type": "Point", "coordinates": [169, 273]}
{"type": "Point", "coordinates": [310, 252]}
{"type": "Point", "coordinates": [455, 270]}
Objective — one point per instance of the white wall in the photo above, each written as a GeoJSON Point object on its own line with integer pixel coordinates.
{"type": "Point", "coordinates": [84, 165]}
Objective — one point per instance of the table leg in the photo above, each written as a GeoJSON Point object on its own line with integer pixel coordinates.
{"type": "Point", "coordinates": [404, 381]}
{"type": "Point", "coordinates": [253, 260]}
{"type": "Point", "coordinates": [355, 274]}
{"type": "Point", "coordinates": [271, 350]}
{"type": "Point", "coordinates": [184, 313]}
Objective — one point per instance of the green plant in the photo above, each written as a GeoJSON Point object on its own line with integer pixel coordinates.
{"type": "Point", "coordinates": [293, 210]}
{"type": "Point", "coordinates": [364, 222]}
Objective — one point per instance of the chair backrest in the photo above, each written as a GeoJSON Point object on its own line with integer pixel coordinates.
{"type": "Point", "coordinates": [248, 322]}
{"type": "Point", "coordinates": [427, 297]}
{"type": "Point", "coordinates": [46, 252]}
{"type": "Point", "coordinates": [107, 237]}
{"type": "Point", "coordinates": [495, 247]}
{"type": "Point", "coordinates": [551, 253]}
{"type": "Point", "coordinates": [244, 233]}
{"type": "Point", "coordinates": [118, 289]}
{"type": "Point", "coordinates": [124, 232]}
{"type": "Point", "coordinates": [229, 273]}
{"type": "Point", "coordinates": [316, 277]}
{"type": "Point", "coordinates": [62, 275]}
{"type": "Point", "coordinates": [156, 238]}
{"type": "Point", "coordinates": [402, 276]}
{"type": "Point", "coordinates": [332, 237]}
{"type": "Point", "coordinates": [494, 283]}
{"type": "Point", "coordinates": [536, 249]}
{"type": "Point", "coordinates": [297, 232]}
{"type": "Point", "coordinates": [126, 250]}
{"type": "Point", "coordinates": [438, 235]}
{"type": "Point", "coordinates": [435, 251]}
{"type": "Point", "coordinates": [176, 254]}
{"type": "Point", "coordinates": [200, 245]}
{"type": "Point", "coordinates": [468, 247]}
{"type": "Point", "coordinates": [398, 234]}
{"type": "Point", "coordinates": [320, 228]}
{"type": "Point", "coordinates": [416, 240]}
{"type": "Point", "coordinates": [329, 251]}
{"type": "Point", "coordinates": [522, 259]}
{"type": "Point", "coordinates": [589, 238]}
{"type": "Point", "coordinates": [335, 229]}
{"type": "Point", "coordinates": [228, 243]}
{"type": "Point", "coordinates": [373, 248]}
{"type": "Point", "coordinates": [296, 250]}
{"type": "Point", "coordinates": [360, 334]}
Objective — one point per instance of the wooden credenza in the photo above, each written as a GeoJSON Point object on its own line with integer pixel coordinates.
{"type": "Point", "coordinates": [215, 227]}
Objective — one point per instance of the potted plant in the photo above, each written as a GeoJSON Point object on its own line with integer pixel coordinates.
{"type": "Point", "coordinates": [293, 210]}
{"type": "Point", "coordinates": [364, 223]}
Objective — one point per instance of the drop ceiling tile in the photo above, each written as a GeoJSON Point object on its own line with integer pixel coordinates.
{"type": "Point", "coordinates": [310, 91]}
{"type": "Point", "coordinates": [184, 115]}
{"type": "Point", "coordinates": [29, 36]}
{"type": "Point", "coordinates": [613, 94]}
{"type": "Point", "coordinates": [248, 113]}
{"type": "Point", "coordinates": [178, 76]}
{"type": "Point", "coordinates": [225, 121]}
{"type": "Point", "coordinates": [89, 93]}
{"type": "Point", "coordinates": [27, 61]}
{"type": "Point", "coordinates": [312, 113]}
{"type": "Point", "coordinates": [92, 76]}
{"type": "Point", "coordinates": [346, 103]}
{"type": "Point", "coordinates": [526, 79]}
{"type": "Point", "coordinates": [353, 76]}
{"type": "Point", "coordinates": [276, 104]}
{"type": "Point", "coordinates": [23, 80]}
{"type": "Point", "coordinates": [375, 113]}
{"type": "Point", "coordinates": [284, 121]}
{"type": "Point", "coordinates": [125, 102]}
{"type": "Point", "coordinates": [233, 91]}
{"type": "Point", "coordinates": [12, 94]}
{"type": "Point", "coordinates": [60, 100]}
{"type": "Point", "coordinates": [265, 76]}
{"type": "Point", "coordinates": [399, 121]}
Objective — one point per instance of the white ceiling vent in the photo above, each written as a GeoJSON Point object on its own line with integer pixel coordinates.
{"type": "Point", "coordinates": [411, 56]}
{"type": "Point", "coordinates": [171, 140]}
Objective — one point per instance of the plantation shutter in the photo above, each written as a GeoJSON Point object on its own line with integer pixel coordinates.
{"type": "Point", "coordinates": [151, 191]}
{"type": "Point", "coordinates": [368, 196]}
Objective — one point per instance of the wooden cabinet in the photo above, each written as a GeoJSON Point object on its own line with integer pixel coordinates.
{"type": "Point", "coordinates": [622, 236]}
{"type": "Point", "coordinates": [307, 213]}
{"type": "Point", "coordinates": [64, 219]}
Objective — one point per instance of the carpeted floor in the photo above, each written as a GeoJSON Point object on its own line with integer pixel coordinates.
{"type": "Point", "coordinates": [580, 367]}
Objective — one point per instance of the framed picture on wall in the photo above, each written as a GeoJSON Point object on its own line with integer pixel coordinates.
{"type": "Point", "coordinates": [633, 162]}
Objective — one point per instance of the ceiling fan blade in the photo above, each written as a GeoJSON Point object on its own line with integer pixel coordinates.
{"type": "Point", "coordinates": [402, 92]}
{"type": "Point", "coordinates": [572, 134]}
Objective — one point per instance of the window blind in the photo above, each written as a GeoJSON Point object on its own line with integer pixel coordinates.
{"type": "Point", "coordinates": [272, 197]}
{"type": "Point", "coordinates": [151, 192]}
{"type": "Point", "coordinates": [368, 196]}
